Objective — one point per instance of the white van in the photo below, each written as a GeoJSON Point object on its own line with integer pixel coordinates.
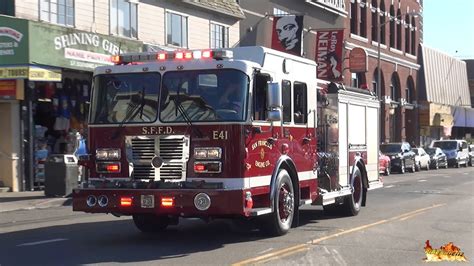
{"type": "Point", "coordinates": [456, 151]}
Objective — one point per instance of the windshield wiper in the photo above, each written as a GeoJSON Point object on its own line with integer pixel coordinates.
{"type": "Point", "coordinates": [131, 114]}
{"type": "Point", "coordinates": [180, 109]}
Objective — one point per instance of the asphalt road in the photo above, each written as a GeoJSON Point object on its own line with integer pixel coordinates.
{"type": "Point", "coordinates": [392, 230]}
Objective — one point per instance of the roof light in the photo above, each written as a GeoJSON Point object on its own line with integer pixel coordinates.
{"type": "Point", "coordinates": [126, 201]}
{"type": "Point", "coordinates": [116, 59]}
{"type": "Point", "coordinates": [161, 56]}
{"type": "Point", "coordinates": [197, 54]}
{"type": "Point", "coordinates": [179, 55]}
{"type": "Point", "coordinates": [188, 55]}
{"type": "Point", "coordinates": [206, 54]}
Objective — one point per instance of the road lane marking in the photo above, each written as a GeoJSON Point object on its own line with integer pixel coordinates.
{"type": "Point", "coordinates": [338, 258]}
{"type": "Point", "coordinates": [410, 216]}
{"type": "Point", "coordinates": [42, 242]}
{"type": "Point", "coordinates": [304, 247]}
{"type": "Point", "coordinates": [389, 186]}
{"type": "Point", "coordinates": [422, 180]}
{"type": "Point", "coordinates": [265, 251]}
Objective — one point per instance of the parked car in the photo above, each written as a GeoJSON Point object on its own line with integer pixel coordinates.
{"type": "Point", "coordinates": [456, 151]}
{"type": "Point", "coordinates": [471, 154]}
{"type": "Point", "coordinates": [437, 158]}
{"type": "Point", "coordinates": [384, 164]}
{"type": "Point", "coordinates": [401, 156]}
{"type": "Point", "coordinates": [422, 159]}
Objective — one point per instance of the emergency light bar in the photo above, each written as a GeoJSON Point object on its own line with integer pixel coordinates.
{"type": "Point", "coordinates": [176, 55]}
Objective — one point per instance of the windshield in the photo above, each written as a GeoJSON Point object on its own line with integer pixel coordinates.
{"type": "Point", "coordinates": [415, 151]}
{"type": "Point", "coordinates": [125, 98]}
{"type": "Point", "coordinates": [446, 145]}
{"type": "Point", "coordinates": [204, 95]}
{"type": "Point", "coordinates": [431, 151]}
{"type": "Point", "coordinates": [390, 148]}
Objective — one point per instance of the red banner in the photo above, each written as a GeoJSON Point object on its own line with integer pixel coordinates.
{"type": "Point", "coordinates": [287, 34]}
{"type": "Point", "coordinates": [329, 45]}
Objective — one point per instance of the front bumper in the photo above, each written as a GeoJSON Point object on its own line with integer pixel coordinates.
{"type": "Point", "coordinates": [396, 163]}
{"type": "Point", "coordinates": [223, 202]}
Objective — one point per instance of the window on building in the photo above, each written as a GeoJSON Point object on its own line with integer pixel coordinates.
{"type": "Point", "coordinates": [123, 18]}
{"type": "Point", "coordinates": [219, 36]}
{"type": "Point", "coordinates": [354, 18]}
{"type": "Point", "coordinates": [410, 90]}
{"type": "Point", "coordinates": [57, 11]}
{"type": "Point", "coordinates": [363, 19]}
{"type": "Point", "coordinates": [7, 7]}
{"type": "Point", "coordinates": [392, 27]}
{"type": "Point", "coordinates": [413, 36]}
{"type": "Point", "coordinates": [286, 100]}
{"type": "Point", "coordinates": [354, 80]}
{"type": "Point", "coordinates": [383, 38]}
{"type": "Point", "coordinates": [300, 101]}
{"type": "Point", "coordinates": [279, 12]}
{"type": "Point", "coordinates": [407, 34]}
{"type": "Point", "coordinates": [375, 21]}
{"type": "Point", "coordinates": [399, 29]}
{"type": "Point", "coordinates": [176, 29]}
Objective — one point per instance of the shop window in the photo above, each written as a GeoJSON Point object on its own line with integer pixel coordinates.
{"type": "Point", "coordinates": [57, 11]}
{"type": "Point", "coordinates": [300, 103]}
{"type": "Point", "coordinates": [219, 36]}
{"type": "Point", "coordinates": [7, 7]}
{"type": "Point", "coordinates": [176, 29]}
{"type": "Point", "coordinates": [363, 19]}
{"type": "Point", "coordinates": [286, 100]}
{"type": "Point", "coordinates": [354, 18]}
{"type": "Point", "coordinates": [260, 97]}
{"type": "Point", "coordinates": [123, 18]}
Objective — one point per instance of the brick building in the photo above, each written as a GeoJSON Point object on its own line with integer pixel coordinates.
{"type": "Point", "coordinates": [398, 26]}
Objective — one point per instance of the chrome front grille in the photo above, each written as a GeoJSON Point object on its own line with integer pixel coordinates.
{"type": "Point", "coordinates": [174, 150]}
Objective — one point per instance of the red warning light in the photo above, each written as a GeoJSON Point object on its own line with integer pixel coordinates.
{"type": "Point", "coordinates": [206, 54]}
{"type": "Point", "coordinates": [179, 55]}
{"type": "Point", "coordinates": [161, 56]}
{"type": "Point", "coordinates": [188, 55]}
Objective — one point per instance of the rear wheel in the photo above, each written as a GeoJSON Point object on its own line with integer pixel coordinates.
{"type": "Point", "coordinates": [279, 222]}
{"type": "Point", "coordinates": [150, 223]}
{"type": "Point", "coordinates": [353, 202]}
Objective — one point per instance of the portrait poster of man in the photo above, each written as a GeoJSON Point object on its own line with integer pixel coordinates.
{"type": "Point", "coordinates": [287, 34]}
{"type": "Point", "coordinates": [329, 46]}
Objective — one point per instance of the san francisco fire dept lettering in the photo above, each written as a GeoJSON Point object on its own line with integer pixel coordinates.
{"type": "Point", "coordinates": [157, 130]}
{"type": "Point", "coordinates": [262, 144]}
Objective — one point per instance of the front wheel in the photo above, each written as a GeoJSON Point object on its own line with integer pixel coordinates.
{"type": "Point", "coordinates": [353, 202]}
{"type": "Point", "coordinates": [150, 223]}
{"type": "Point", "coordinates": [279, 222]}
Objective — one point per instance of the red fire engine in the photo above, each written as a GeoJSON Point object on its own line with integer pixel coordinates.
{"type": "Point", "coordinates": [237, 133]}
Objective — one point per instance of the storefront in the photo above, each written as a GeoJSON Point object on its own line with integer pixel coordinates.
{"type": "Point", "coordinates": [48, 69]}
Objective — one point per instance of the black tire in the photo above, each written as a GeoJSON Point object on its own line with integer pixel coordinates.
{"type": "Point", "coordinates": [279, 222]}
{"type": "Point", "coordinates": [428, 166]}
{"type": "Point", "coordinates": [417, 166]}
{"type": "Point", "coordinates": [436, 165]}
{"type": "Point", "coordinates": [353, 202]}
{"type": "Point", "coordinates": [402, 167]}
{"type": "Point", "coordinates": [150, 223]}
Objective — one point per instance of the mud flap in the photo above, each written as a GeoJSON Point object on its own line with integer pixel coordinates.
{"type": "Point", "coordinates": [364, 196]}
{"type": "Point", "coordinates": [296, 218]}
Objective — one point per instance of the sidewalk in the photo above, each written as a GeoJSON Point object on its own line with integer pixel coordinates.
{"type": "Point", "coordinates": [29, 200]}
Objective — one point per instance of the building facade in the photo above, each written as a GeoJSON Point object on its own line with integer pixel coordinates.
{"type": "Point", "coordinates": [49, 48]}
{"type": "Point", "coordinates": [393, 29]}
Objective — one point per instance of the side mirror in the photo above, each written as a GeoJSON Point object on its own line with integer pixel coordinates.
{"type": "Point", "coordinates": [274, 101]}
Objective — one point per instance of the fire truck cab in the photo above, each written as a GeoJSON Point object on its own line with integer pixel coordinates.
{"type": "Point", "coordinates": [245, 132]}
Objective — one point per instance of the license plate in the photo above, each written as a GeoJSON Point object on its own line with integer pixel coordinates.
{"type": "Point", "coordinates": [148, 201]}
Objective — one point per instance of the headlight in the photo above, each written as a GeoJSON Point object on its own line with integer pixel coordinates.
{"type": "Point", "coordinates": [394, 157]}
{"type": "Point", "coordinates": [107, 154]}
{"type": "Point", "coordinates": [207, 153]}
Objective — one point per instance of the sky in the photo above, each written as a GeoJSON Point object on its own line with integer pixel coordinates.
{"type": "Point", "coordinates": [449, 26]}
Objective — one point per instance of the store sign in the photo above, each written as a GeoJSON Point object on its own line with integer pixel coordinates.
{"type": "Point", "coordinates": [31, 73]}
{"type": "Point", "coordinates": [8, 89]}
{"type": "Point", "coordinates": [13, 41]}
{"type": "Point", "coordinates": [70, 48]}
{"type": "Point", "coordinates": [329, 45]}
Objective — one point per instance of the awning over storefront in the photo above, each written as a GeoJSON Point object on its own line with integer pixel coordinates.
{"type": "Point", "coordinates": [24, 42]}
{"type": "Point", "coordinates": [463, 116]}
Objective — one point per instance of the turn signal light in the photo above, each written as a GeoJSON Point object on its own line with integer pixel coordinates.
{"type": "Point", "coordinates": [167, 202]}
{"type": "Point", "coordinates": [126, 201]}
{"type": "Point", "coordinates": [113, 168]}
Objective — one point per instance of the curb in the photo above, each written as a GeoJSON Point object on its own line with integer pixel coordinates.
{"type": "Point", "coordinates": [35, 204]}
